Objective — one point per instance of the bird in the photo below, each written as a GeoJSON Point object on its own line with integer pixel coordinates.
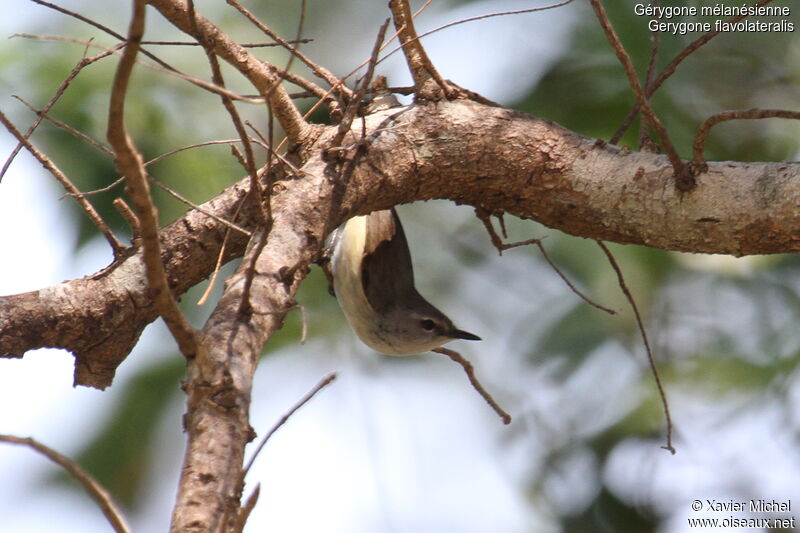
{"type": "Point", "coordinates": [373, 281]}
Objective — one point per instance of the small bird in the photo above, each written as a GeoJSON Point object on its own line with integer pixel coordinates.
{"type": "Point", "coordinates": [373, 280]}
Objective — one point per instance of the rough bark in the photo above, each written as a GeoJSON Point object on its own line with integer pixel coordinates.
{"type": "Point", "coordinates": [498, 159]}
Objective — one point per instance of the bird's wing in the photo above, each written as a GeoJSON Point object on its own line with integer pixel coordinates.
{"type": "Point", "coordinates": [386, 271]}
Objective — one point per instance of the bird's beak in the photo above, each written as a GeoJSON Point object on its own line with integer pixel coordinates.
{"type": "Point", "coordinates": [466, 335]}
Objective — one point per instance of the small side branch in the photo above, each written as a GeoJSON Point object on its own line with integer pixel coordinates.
{"type": "Point", "coordinates": [47, 163]}
{"type": "Point", "coordinates": [131, 165]}
{"type": "Point", "coordinates": [84, 62]}
{"type": "Point", "coordinates": [318, 70]}
{"type": "Point", "coordinates": [670, 69]}
{"type": "Point", "coordinates": [324, 382]}
{"type": "Point", "coordinates": [262, 75]}
{"type": "Point", "coordinates": [356, 103]}
{"type": "Point", "coordinates": [684, 180]}
{"type": "Point", "coordinates": [95, 490]}
{"type": "Point", "coordinates": [470, 371]}
{"type": "Point", "coordinates": [419, 63]}
{"type": "Point", "coordinates": [698, 162]}
{"type": "Point", "coordinates": [498, 243]}
{"type": "Point", "coordinates": [622, 285]}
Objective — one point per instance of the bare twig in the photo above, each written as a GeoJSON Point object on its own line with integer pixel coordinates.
{"type": "Point", "coordinates": [318, 70]}
{"type": "Point", "coordinates": [470, 371]}
{"type": "Point", "coordinates": [247, 508]}
{"type": "Point", "coordinates": [410, 90]}
{"type": "Point", "coordinates": [129, 216]}
{"type": "Point", "coordinates": [245, 45]}
{"type": "Point", "coordinates": [655, 41]}
{"type": "Point", "coordinates": [220, 257]}
{"type": "Point", "coordinates": [101, 190]}
{"type": "Point", "coordinates": [130, 164]}
{"type": "Point", "coordinates": [622, 285]}
{"type": "Point", "coordinates": [670, 69]}
{"type": "Point", "coordinates": [501, 247]}
{"type": "Point", "coordinates": [262, 75]}
{"type": "Point", "coordinates": [105, 29]}
{"type": "Point", "coordinates": [301, 20]}
{"type": "Point", "coordinates": [286, 75]}
{"type": "Point", "coordinates": [199, 208]}
{"type": "Point", "coordinates": [419, 63]}
{"type": "Point", "coordinates": [285, 418]}
{"type": "Point", "coordinates": [84, 62]}
{"type": "Point", "coordinates": [491, 15]}
{"type": "Point", "coordinates": [684, 180]}
{"type": "Point", "coordinates": [250, 162]}
{"type": "Point", "coordinates": [96, 491]}
{"type": "Point", "coordinates": [157, 68]}
{"type": "Point", "coordinates": [700, 139]}
{"type": "Point", "coordinates": [42, 113]}
{"type": "Point", "coordinates": [356, 102]}
{"type": "Point", "coordinates": [48, 163]}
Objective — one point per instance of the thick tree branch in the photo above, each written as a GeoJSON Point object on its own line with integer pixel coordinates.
{"type": "Point", "coordinates": [494, 158]}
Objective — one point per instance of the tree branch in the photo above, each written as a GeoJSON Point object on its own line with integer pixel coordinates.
{"type": "Point", "coordinates": [419, 63]}
{"type": "Point", "coordinates": [130, 164]}
{"type": "Point", "coordinates": [94, 489]}
{"type": "Point", "coordinates": [489, 157]}
{"type": "Point", "coordinates": [261, 74]}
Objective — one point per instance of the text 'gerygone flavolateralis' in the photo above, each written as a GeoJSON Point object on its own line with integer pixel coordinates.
{"type": "Point", "coordinates": [374, 283]}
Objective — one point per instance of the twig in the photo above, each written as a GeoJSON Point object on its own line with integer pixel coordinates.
{"type": "Point", "coordinates": [170, 69]}
{"type": "Point", "coordinates": [501, 247]}
{"type": "Point", "coordinates": [130, 164]}
{"type": "Point", "coordinates": [267, 146]}
{"type": "Point", "coordinates": [107, 30]}
{"type": "Point", "coordinates": [210, 87]}
{"type": "Point", "coordinates": [245, 45]}
{"type": "Point", "coordinates": [195, 145]}
{"type": "Point", "coordinates": [491, 15]}
{"type": "Point", "coordinates": [684, 180]}
{"type": "Point", "coordinates": [285, 418]}
{"type": "Point", "coordinates": [246, 509]}
{"type": "Point", "coordinates": [622, 285]}
{"type": "Point", "coordinates": [301, 20]}
{"type": "Point", "coordinates": [220, 257]}
{"type": "Point", "coordinates": [42, 113]}
{"type": "Point", "coordinates": [655, 42]}
{"type": "Point", "coordinates": [700, 139]}
{"type": "Point", "coordinates": [48, 163]}
{"type": "Point", "coordinates": [129, 216]}
{"type": "Point", "coordinates": [417, 59]}
{"type": "Point", "coordinates": [60, 91]}
{"type": "Point", "coordinates": [410, 90]}
{"type": "Point", "coordinates": [250, 162]}
{"type": "Point", "coordinates": [357, 100]}
{"type": "Point", "coordinates": [669, 70]}
{"type": "Point", "coordinates": [470, 371]}
{"type": "Point", "coordinates": [95, 490]}
{"type": "Point", "coordinates": [101, 190]}
{"type": "Point", "coordinates": [198, 208]}
{"type": "Point", "coordinates": [318, 70]}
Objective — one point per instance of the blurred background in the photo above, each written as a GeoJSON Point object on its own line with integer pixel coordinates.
{"type": "Point", "coordinates": [404, 444]}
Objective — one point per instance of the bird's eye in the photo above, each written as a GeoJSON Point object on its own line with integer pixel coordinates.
{"type": "Point", "coordinates": [427, 324]}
